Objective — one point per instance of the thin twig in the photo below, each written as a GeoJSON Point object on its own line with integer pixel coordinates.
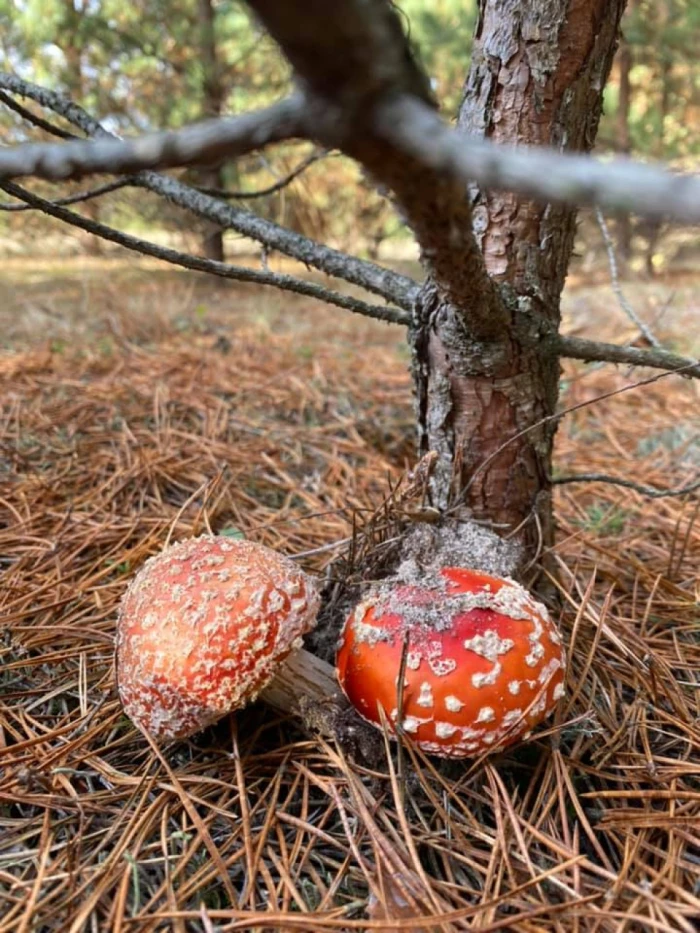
{"type": "Point", "coordinates": [643, 328]}
{"type": "Point", "coordinates": [399, 726]}
{"type": "Point", "coordinates": [34, 119]}
{"type": "Point", "coordinates": [227, 195]}
{"type": "Point", "coordinates": [650, 491]}
{"type": "Point", "coordinates": [81, 196]}
{"type": "Point", "coordinates": [224, 270]}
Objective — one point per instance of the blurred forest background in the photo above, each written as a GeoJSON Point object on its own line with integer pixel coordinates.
{"type": "Point", "coordinates": [155, 64]}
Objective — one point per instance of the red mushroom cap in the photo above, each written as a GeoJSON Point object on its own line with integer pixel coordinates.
{"type": "Point", "coordinates": [203, 627]}
{"type": "Point", "coordinates": [484, 662]}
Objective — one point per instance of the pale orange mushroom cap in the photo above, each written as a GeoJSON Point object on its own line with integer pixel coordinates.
{"type": "Point", "coordinates": [484, 662]}
{"type": "Point", "coordinates": [202, 629]}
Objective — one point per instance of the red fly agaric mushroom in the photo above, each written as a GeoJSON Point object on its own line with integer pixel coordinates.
{"type": "Point", "coordinates": [483, 661]}
{"type": "Point", "coordinates": [202, 629]}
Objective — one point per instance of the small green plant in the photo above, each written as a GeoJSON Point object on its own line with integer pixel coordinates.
{"type": "Point", "coordinates": [604, 519]}
{"type": "Point", "coordinates": [305, 352]}
{"type": "Point", "coordinates": [231, 531]}
{"type": "Point", "coordinates": [135, 883]}
{"type": "Point", "coordinates": [123, 566]}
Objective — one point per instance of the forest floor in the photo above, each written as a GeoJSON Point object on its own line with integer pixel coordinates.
{"type": "Point", "coordinates": [138, 403]}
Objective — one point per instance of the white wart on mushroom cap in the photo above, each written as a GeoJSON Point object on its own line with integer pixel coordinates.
{"type": "Point", "coordinates": [202, 629]}
{"type": "Point", "coordinates": [484, 662]}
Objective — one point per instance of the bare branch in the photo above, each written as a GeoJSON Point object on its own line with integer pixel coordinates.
{"type": "Point", "coordinates": [617, 288]}
{"type": "Point", "coordinates": [222, 269]}
{"type": "Point", "coordinates": [77, 198]}
{"type": "Point", "coordinates": [410, 124]}
{"type": "Point", "coordinates": [347, 95]}
{"type": "Point", "coordinates": [651, 491]}
{"type": "Point", "coordinates": [202, 142]}
{"type": "Point", "coordinates": [396, 288]}
{"type": "Point", "coordinates": [415, 129]}
{"type": "Point", "coordinates": [593, 351]}
{"type": "Point", "coordinates": [228, 195]}
{"type": "Point", "coordinates": [55, 102]}
{"type": "Point", "coordinates": [33, 118]}
{"type": "Point", "coordinates": [615, 185]}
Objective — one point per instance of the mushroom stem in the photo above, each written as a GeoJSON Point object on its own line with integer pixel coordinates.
{"type": "Point", "coordinates": [302, 680]}
{"type": "Point", "coordinates": [307, 688]}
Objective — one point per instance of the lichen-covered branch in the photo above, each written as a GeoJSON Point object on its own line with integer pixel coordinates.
{"type": "Point", "coordinates": [349, 96]}
{"type": "Point", "coordinates": [594, 351]}
{"type": "Point", "coordinates": [650, 491]}
{"type": "Point", "coordinates": [224, 270]}
{"type": "Point", "coordinates": [208, 141]}
{"type": "Point", "coordinates": [393, 287]}
{"type": "Point", "coordinates": [396, 288]}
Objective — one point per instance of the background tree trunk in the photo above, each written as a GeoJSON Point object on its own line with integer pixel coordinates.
{"type": "Point", "coordinates": [653, 228]}
{"type": "Point", "coordinates": [537, 76]}
{"type": "Point", "coordinates": [624, 146]}
{"type": "Point", "coordinates": [73, 78]}
{"type": "Point", "coordinates": [210, 176]}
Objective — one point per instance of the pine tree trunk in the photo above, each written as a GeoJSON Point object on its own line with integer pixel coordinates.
{"type": "Point", "coordinates": [537, 75]}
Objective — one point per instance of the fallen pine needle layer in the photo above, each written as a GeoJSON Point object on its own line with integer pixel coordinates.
{"type": "Point", "coordinates": [107, 453]}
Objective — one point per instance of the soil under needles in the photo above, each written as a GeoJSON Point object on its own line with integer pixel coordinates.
{"type": "Point", "coordinates": [142, 430]}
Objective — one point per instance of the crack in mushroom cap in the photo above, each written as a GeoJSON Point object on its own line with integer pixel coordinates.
{"type": "Point", "coordinates": [484, 663]}
{"type": "Point", "coordinates": [202, 629]}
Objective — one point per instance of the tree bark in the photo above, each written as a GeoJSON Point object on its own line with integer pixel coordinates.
{"type": "Point", "coordinates": [210, 176]}
{"type": "Point", "coordinates": [485, 322]}
{"type": "Point", "coordinates": [537, 76]}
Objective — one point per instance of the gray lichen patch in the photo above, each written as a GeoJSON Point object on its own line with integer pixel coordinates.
{"type": "Point", "coordinates": [426, 548]}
